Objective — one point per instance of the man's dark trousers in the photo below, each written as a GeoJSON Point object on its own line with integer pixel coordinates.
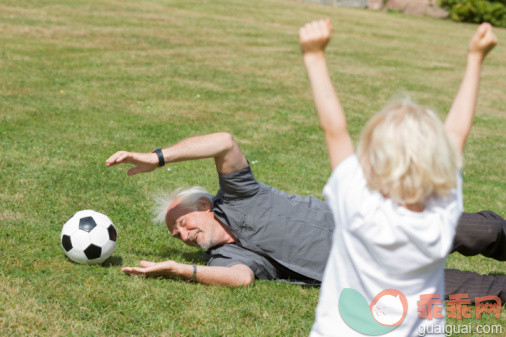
{"type": "Point", "coordinates": [479, 233]}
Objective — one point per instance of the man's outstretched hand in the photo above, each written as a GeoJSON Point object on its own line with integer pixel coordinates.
{"type": "Point", "coordinates": [153, 269]}
{"type": "Point", "coordinates": [238, 275]}
{"type": "Point", "coordinates": [144, 162]}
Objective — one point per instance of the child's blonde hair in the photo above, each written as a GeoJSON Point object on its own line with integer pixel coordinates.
{"type": "Point", "coordinates": [405, 153]}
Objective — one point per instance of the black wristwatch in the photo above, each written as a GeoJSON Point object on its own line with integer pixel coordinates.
{"type": "Point", "coordinates": [159, 153]}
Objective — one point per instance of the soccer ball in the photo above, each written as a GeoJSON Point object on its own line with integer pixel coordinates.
{"type": "Point", "coordinates": [88, 237]}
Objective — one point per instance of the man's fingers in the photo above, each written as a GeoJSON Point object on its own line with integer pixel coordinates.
{"type": "Point", "coordinates": [112, 159]}
{"type": "Point", "coordinates": [133, 271]}
{"type": "Point", "coordinates": [146, 264]}
{"type": "Point", "coordinates": [147, 271]}
{"type": "Point", "coordinates": [150, 269]}
{"type": "Point", "coordinates": [117, 158]}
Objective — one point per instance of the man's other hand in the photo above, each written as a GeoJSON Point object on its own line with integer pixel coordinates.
{"type": "Point", "coordinates": [144, 162]}
{"type": "Point", "coordinates": [153, 269]}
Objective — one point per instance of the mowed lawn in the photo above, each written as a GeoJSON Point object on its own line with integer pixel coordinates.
{"type": "Point", "coordinates": [82, 79]}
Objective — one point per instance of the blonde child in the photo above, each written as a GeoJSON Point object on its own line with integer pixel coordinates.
{"type": "Point", "coordinates": [396, 203]}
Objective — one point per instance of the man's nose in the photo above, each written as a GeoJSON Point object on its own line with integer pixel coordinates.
{"type": "Point", "coordinates": [183, 233]}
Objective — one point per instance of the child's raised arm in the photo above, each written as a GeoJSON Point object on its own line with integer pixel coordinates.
{"type": "Point", "coordinates": [459, 119]}
{"type": "Point", "coordinates": [313, 39]}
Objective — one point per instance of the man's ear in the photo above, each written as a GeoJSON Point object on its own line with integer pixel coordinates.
{"type": "Point", "coordinates": [203, 204]}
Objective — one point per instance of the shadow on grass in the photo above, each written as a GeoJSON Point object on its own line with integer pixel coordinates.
{"type": "Point", "coordinates": [169, 253]}
{"type": "Point", "coordinates": [113, 261]}
{"type": "Point", "coordinates": [194, 257]}
{"type": "Point", "coordinates": [497, 274]}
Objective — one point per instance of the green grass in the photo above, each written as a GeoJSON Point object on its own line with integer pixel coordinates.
{"type": "Point", "coordinates": [80, 80]}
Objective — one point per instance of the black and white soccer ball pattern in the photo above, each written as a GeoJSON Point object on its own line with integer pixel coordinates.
{"type": "Point", "coordinates": [88, 237]}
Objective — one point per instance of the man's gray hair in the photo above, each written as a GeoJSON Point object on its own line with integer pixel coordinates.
{"type": "Point", "coordinates": [187, 197]}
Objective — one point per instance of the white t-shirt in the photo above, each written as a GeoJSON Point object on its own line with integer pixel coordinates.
{"type": "Point", "coordinates": [380, 245]}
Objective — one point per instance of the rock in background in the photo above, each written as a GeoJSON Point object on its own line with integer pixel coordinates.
{"type": "Point", "coordinates": [343, 3]}
{"type": "Point", "coordinates": [415, 7]}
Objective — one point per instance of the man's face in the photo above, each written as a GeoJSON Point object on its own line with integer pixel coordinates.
{"type": "Point", "coordinates": [197, 228]}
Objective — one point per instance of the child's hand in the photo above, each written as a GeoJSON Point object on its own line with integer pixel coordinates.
{"type": "Point", "coordinates": [315, 36]}
{"type": "Point", "coordinates": [483, 41]}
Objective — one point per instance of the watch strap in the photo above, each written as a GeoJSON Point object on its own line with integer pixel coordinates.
{"type": "Point", "coordinates": [194, 275]}
{"type": "Point", "coordinates": [159, 153]}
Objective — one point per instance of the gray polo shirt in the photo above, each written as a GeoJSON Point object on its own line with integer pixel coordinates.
{"type": "Point", "coordinates": [279, 235]}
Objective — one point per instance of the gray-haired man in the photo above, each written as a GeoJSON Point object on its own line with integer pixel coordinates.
{"type": "Point", "coordinates": [253, 230]}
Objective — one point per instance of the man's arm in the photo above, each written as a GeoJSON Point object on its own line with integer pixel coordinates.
{"type": "Point", "coordinates": [313, 39]}
{"type": "Point", "coordinates": [459, 119]}
{"type": "Point", "coordinates": [234, 276]}
{"type": "Point", "coordinates": [227, 155]}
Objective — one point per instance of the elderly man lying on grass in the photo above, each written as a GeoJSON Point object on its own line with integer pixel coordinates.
{"type": "Point", "coordinates": [255, 231]}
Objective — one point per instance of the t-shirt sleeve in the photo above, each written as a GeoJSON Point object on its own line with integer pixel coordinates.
{"type": "Point", "coordinates": [451, 205]}
{"type": "Point", "coordinates": [230, 255]}
{"type": "Point", "coordinates": [239, 184]}
{"type": "Point", "coordinates": [346, 190]}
